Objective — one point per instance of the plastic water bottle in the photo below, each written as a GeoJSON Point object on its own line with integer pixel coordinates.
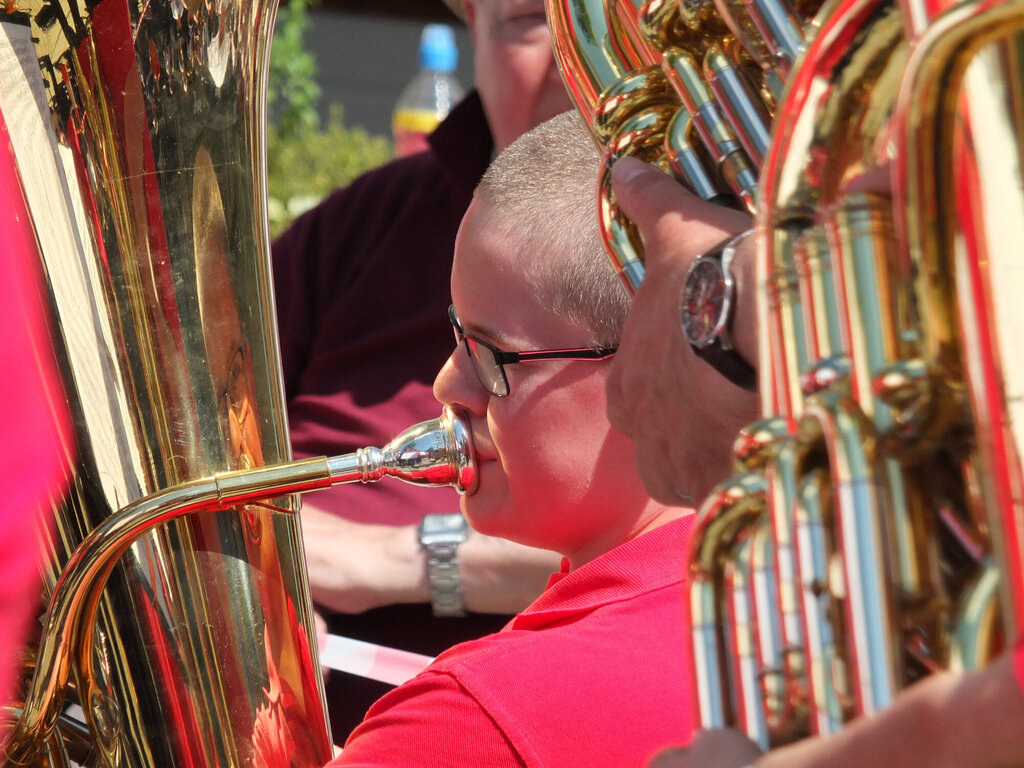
{"type": "Point", "coordinates": [431, 94]}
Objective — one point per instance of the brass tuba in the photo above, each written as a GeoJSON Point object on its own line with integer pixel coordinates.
{"type": "Point", "coordinates": [179, 627]}
{"type": "Point", "coordinates": [874, 529]}
{"type": "Point", "coordinates": [690, 86]}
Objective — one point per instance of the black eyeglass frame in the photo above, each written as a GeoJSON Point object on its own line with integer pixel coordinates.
{"type": "Point", "coordinates": [503, 358]}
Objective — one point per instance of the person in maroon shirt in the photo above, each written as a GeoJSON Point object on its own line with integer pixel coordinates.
{"type": "Point", "coordinates": [361, 287]}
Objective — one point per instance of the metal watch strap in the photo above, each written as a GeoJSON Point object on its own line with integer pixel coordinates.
{"type": "Point", "coordinates": [721, 355]}
{"type": "Point", "coordinates": [440, 536]}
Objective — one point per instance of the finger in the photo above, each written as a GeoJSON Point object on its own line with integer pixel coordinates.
{"type": "Point", "coordinates": [646, 193]}
{"type": "Point", "coordinates": [658, 204]}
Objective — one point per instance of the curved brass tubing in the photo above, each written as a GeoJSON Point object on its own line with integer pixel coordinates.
{"type": "Point", "coordinates": [960, 99]}
{"type": "Point", "coordinates": [731, 513]}
{"type": "Point", "coordinates": [436, 452]}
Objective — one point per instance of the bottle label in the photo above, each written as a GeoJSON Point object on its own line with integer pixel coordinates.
{"type": "Point", "coordinates": [416, 120]}
{"type": "Point", "coordinates": [410, 128]}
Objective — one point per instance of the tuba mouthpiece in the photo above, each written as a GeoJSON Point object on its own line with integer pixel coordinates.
{"type": "Point", "coordinates": [435, 452]}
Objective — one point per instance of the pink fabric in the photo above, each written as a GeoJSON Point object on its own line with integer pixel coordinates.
{"type": "Point", "coordinates": [35, 451]}
{"type": "Point", "coordinates": [592, 674]}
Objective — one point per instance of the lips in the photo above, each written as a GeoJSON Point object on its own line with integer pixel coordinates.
{"type": "Point", "coordinates": [483, 448]}
{"type": "Point", "coordinates": [482, 453]}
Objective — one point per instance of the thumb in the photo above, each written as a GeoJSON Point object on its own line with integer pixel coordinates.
{"type": "Point", "coordinates": [647, 195]}
{"type": "Point", "coordinates": [645, 192]}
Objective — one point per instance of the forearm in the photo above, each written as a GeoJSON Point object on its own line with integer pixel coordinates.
{"type": "Point", "coordinates": [354, 567]}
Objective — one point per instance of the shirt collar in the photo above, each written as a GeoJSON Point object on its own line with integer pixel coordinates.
{"type": "Point", "coordinates": [463, 143]}
{"type": "Point", "coordinates": [647, 563]}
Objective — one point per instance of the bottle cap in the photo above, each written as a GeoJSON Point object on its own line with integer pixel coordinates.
{"type": "Point", "coordinates": [437, 48]}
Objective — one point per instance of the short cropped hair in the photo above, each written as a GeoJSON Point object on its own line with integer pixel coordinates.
{"type": "Point", "coordinates": [542, 190]}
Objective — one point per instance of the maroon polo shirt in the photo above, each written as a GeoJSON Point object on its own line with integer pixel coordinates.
{"type": "Point", "coordinates": [362, 292]}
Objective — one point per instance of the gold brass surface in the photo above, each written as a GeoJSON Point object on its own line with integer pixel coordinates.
{"type": "Point", "coordinates": [892, 497]}
{"type": "Point", "coordinates": [137, 134]}
{"type": "Point", "coordinates": [435, 453]}
{"type": "Point", "coordinates": [874, 529]}
{"type": "Point", "coordinates": [687, 86]}
{"type": "Point", "coordinates": [179, 627]}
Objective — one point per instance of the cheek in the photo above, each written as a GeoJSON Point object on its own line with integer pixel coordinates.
{"type": "Point", "coordinates": [519, 494]}
{"type": "Point", "coordinates": [555, 439]}
{"type": "Point", "coordinates": [529, 447]}
{"type": "Point", "coordinates": [525, 74]}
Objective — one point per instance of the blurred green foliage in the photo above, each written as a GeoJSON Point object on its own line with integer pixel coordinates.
{"type": "Point", "coordinates": [305, 158]}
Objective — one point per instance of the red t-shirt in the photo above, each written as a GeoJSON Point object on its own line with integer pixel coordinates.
{"type": "Point", "coordinates": [593, 673]}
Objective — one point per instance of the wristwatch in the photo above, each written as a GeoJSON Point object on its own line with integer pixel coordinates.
{"type": "Point", "coordinates": [440, 536]}
{"type": "Point", "coordinates": [706, 310]}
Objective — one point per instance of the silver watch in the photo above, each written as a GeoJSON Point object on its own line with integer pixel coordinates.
{"type": "Point", "coordinates": [706, 309]}
{"type": "Point", "coordinates": [440, 536]}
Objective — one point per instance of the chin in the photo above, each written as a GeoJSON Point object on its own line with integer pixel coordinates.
{"type": "Point", "coordinates": [492, 516]}
{"type": "Point", "coordinates": [483, 520]}
{"type": "Point", "coordinates": [483, 510]}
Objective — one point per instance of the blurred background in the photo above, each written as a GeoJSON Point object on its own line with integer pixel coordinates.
{"type": "Point", "coordinates": [337, 68]}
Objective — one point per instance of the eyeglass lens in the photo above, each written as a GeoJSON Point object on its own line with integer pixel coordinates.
{"type": "Point", "coordinates": [488, 370]}
{"type": "Point", "coordinates": [490, 373]}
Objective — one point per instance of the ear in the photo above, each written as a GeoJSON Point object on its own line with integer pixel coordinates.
{"type": "Point", "coordinates": [469, 9]}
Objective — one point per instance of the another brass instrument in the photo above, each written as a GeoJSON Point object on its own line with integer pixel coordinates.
{"type": "Point", "coordinates": [136, 135]}
{"type": "Point", "coordinates": [874, 535]}
{"type": "Point", "coordinates": [690, 86]}
{"type": "Point", "coordinates": [874, 530]}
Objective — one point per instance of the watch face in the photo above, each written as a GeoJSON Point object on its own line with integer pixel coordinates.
{"type": "Point", "coordinates": [704, 303]}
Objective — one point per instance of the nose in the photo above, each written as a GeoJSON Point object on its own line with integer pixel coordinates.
{"type": "Point", "coordinates": [457, 385]}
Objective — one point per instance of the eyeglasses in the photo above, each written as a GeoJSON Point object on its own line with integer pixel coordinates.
{"type": "Point", "coordinates": [489, 362]}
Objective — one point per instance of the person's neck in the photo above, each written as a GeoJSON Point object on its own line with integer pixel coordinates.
{"type": "Point", "coordinates": [656, 515]}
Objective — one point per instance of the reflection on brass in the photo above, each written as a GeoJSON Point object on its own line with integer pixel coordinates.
{"type": "Point", "coordinates": [889, 488]}
{"type": "Point", "coordinates": [137, 130]}
{"type": "Point", "coordinates": [433, 453]}
{"type": "Point", "coordinates": [179, 616]}
{"type": "Point", "coordinates": [689, 86]}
